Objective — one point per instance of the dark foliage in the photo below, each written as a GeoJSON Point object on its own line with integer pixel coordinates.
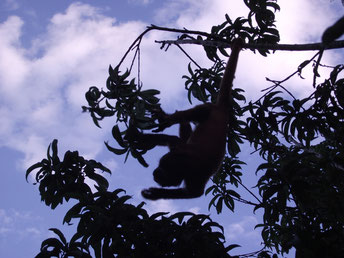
{"type": "Point", "coordinates": [300, 142]}
{"type": "Point", "coordinates": [112, 227]}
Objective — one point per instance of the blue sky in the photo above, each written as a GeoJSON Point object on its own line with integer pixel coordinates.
{"type": "Point", "coordinates": [51, 52]}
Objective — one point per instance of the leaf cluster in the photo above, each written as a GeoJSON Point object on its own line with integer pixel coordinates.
{"type": "Point", "coordinates": [110, 227]}
{"type": "Point", "coordinates": [229, 173]}
{"type": "Point", "coordinates": [303, 181]}
{"type": "Point", "coordinates": [131, 106]}
{"type": "Point", "coordinates": [258, 28]}
{"type": "Point", "coordinates": [62, 180]}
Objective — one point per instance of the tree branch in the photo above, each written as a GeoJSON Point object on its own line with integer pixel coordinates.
{"type": "Point", "coordinates": [216, 41]}
{"type": "Point", "coordinates": [274, 47]}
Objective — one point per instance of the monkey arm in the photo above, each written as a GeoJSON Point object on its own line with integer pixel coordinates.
{"type": "Point", "coordinates": [154, 193]}
{"type": "Point", "coordinates": [333, 32]}
{"type": "Point", "coordinates": [196, 114]}
{"type": "Point", "coordinates": [228, 76]}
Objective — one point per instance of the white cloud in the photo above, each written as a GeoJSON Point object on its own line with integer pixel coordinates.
{"type": "Point", "coordinates": [198, 14]}
{"type": "Point", "coordinates": [161, 206]}
{"type": "Point", "coordinates": [195, 210]}
{"type": "Point", "coordinates": [11, 5]}
{"type": "Point", "coordinates": [16, 223]}
{"type": "Point", "coordinates": [4, 218]}
{"type": "Point", "coordinates": [140, 2]}
{"type": "Point", "coordinates": [170, 206]}
{"type": "Point", "coordinates": [42, 87]}
{"type": "Point", "coordinates": [33, 232]}
{"type": "Point", "coordinates": [243, 229]}
{"type": "Point", "coordinates": [41, 96]}
{"type": "Point", "coordinates": [111, 164]}
{"type": "Point", "coordinates": [304, 21]}
{"type": "Point", "coordinates": [297, 22]}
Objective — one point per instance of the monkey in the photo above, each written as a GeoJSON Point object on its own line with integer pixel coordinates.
{"type": "Point", "coordinates": [333, 32]}
{"type": "Point", "coordinates": [195, 155]}
{"type": "Point", "coordinates": [330, 34]}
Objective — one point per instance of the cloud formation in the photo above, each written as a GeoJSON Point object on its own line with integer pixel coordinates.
{"type": "Point", "coordinates": [17, 224]}
{"type": "Point", "coordinates": [243, 230]}
{"type": "Point", "coordinates": [42, 87]}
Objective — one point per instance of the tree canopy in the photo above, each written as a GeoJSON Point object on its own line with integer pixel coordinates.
{"type": "Point", "coordinates": [300, 142]}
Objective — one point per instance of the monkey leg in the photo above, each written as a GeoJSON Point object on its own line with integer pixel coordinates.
{"type": "Point", "coordinates": [155, 193]}
{"type": "Point", "coordinates": [185, 131]}
{"type": "Point", "coordinates": [149, 141]}
{"type": "Point", "coordinates": [193, 188]}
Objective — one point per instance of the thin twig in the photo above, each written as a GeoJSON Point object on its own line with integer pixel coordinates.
{"type": "Point", "coordinates": [132, 61]}
{"type": "Point", "coordinates": [154, 27]}
{"type": "Point", "coordinates": [278, 83]}
{"type": "Point", "coordinates": [315, 70]}
{"type": "Point", "coordinates": [248, 190]}
{"type": "Point", "coordinates": [244, 201]}
{"type": "Point", "coordinates": [138, 65]}
{"type": "Point", "coordinates": [185, 53]}
{"type": "Point", "coordinates": [133, 44]}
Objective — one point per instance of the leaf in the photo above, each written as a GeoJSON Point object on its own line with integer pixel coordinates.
{"type": "Point", "coordinates": [117, 135]}
{"type": "Point", "coordinates": [72, 212]}
{"type": "Point", "coordinates": [99, 165]}
{"type": "Point", "coordinates": [125, 75]}
{"type": "Point", "coordinates": [223, 52]}
{"type": "Point", "coordinates": [271, 191]}
{"type": "Point", "coordinates": [139, 157]}
{"type": "Point", "coordinates": [211, 203]}
{"type": "Point", "coordinates": [33, 167]}
{"type": "Point", "coordinates": [209, 189]}
{"type": "Point", "coordinates": [149, 92]}
{"type": "Point", "coordinates": [54, 148]}
{"type": "Point", "coordinates": [264, 166]}
{"type": "Point", "coordinates": [52, 242]}
{"type": "Point", "coordinates": [117, 191]}
{"type": "Point", "coordinates": [158, 214]}
{"type": "Point", "coordinates": [230, 247]}
{"type": "Point", "coordinates": [229, 202]}
{"type": "Point", "coordinates": [97, 248]}
{"type": "Point", "coordinates": [190, 70]}
{"type": "Point", "coordinates": [114, 150]}
{"type": "Point", "coordinates": [60, 234]}
{"type": "Point", "coordinates": [95, 119]}
{"type": "Point", "coordinates": [212, 224]}
{"type": "Point", "coordinates": [148, 95]}
{"type": "Point", "coordinates": [74, 238]}
{"type": "Point", "coordinates": [233, 193]}
{"type": "Point", "coordinates": [180, 216]}
{"type": "Point", "coordinates": [101, 181]}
